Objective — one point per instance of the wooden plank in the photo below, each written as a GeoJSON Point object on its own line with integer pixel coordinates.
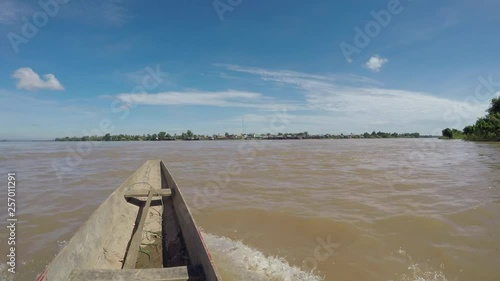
{"type": "Point", "coordinates": [145, 193]}
{"type": "Point", "coordinates": [180, 273]}
{"type": "Point", "coordinates": [135, 242]}
{"type": "Point", "coordinates": [196, 247]}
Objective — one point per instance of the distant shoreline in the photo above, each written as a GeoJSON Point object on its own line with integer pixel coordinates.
{"type": "Point", "coordinates": [245, 139]}
{"type": "Point", "coordinates": [190, 136]}
{"type": "Point", "coordinates": [79, 139]}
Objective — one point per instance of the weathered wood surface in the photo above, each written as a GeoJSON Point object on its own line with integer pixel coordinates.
{"type": "Point", "coordinates": [101, 243]}
{"type": "Point", "coordinates": [175, 253]}
{"type": "Point", "coordinates": [180, 273]}
{"type": "Point", "coordinates": [198, 253]}
{"type": "Point", "coordinates": [135, 242]}
{"type": "Point", "coordinates": [145, 192]}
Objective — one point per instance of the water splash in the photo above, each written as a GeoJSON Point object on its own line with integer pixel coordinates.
{"type": "Point", "coordinates": [246, 263]}
{"type": "Point", "coordinates": [61, 244]}
{"type": "Point", "coordinates": [420, 272]}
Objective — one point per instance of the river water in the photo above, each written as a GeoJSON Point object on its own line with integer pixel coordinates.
{"type": "Point", "coordinates": [378, 209]}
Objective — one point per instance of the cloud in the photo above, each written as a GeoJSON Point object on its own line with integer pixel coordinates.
{"type": "Point", "coordinates": [279, 75]}
{"type": "Point", "coordinates": [229, 98]}
{"type": "Point", "coordinates": [335, 101]}
{"type": "Point", "coordinates": [8, 12]}
{"type": "Point", "coordinates": [113, 11]}
{"type": "Point", "coordinates": [375, 63]}
{"type": "Point", "coordinates": [110, 12]}
{"type": "Point", "coordinates": [29, 80]}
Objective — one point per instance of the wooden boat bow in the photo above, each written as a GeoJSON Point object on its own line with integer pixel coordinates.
{"type": "Point", "coordinates": [109, 246]}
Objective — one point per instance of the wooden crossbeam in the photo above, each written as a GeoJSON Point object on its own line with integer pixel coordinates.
{"type": "Point", "coordinates": [145, 193]}
{"type": "Point", "coordinates": [135, 242]}
{"type": "Point", "coordinates": [180, 273]}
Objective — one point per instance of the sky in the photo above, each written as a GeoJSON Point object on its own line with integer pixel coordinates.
{"type": "Point", "coordinates": [73, 68]}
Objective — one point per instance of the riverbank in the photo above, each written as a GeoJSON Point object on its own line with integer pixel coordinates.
{"type": "Point", "coordinates": [189, 136]}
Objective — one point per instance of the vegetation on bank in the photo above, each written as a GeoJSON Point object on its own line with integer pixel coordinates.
{"type": "Point", "coordinates": [189, 135]}
{"type": "Point", "coordinates": [452, 134]}
{"type": "Point", "coordinates": [486, 128]}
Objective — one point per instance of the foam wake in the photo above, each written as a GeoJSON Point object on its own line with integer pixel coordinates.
{"type": "Point", "coordinates": [242, 262]}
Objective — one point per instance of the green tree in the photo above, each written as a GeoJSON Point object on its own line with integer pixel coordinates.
{"type": "Point", "coordinates": [495, 106]}
{"type": "Point", "coordinates": [448, 133]}
{"type": "Point", "coordinates": [469, 130]}
{"type": "Point", "coordinates": [161, 135]}
{"type": "Point", "coordinates": [486, 128]}
{"type": "Point", "coordinates": [107, 137]}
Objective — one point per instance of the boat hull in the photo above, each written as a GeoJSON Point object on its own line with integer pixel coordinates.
{"type": "Point", "coordinates": [103, 242]}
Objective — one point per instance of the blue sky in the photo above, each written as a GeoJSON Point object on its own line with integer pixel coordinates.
{"type": "Point", "coordinates": [149, 66]}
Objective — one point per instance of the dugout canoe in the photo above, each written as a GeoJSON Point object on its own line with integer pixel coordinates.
{"type": "Point", "coordinates": [143, 231]}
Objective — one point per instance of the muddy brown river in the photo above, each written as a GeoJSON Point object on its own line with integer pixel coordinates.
{"type": "Point", "coordinates": [374, 210]}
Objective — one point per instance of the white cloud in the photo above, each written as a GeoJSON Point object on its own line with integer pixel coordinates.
{"type": "Point", "coordinates": [338, 104]}
{"type": "Point", "coordinates": [375, 63]}
{"type": "Point", "coordinates": [112, 12]}
{"type": "Point", "coordinates": [228, 98]}
{"type": "Point", "coordinates": [281, 74]}
{"type": "Point", "coordinates": [29, 80]}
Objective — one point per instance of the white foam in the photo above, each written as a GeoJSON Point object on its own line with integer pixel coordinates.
{"type": "Point", "coordinates": [420, 272]}
{"type": "Point", "coordinates": [245, 263]}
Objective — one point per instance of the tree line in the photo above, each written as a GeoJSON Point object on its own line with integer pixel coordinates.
{"type": "Point", "coordinates": [161, 136]}
{"type": "Point", "coordinates": [189, 135]}
{"type": "Point", "coordinates": [486, 128]}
